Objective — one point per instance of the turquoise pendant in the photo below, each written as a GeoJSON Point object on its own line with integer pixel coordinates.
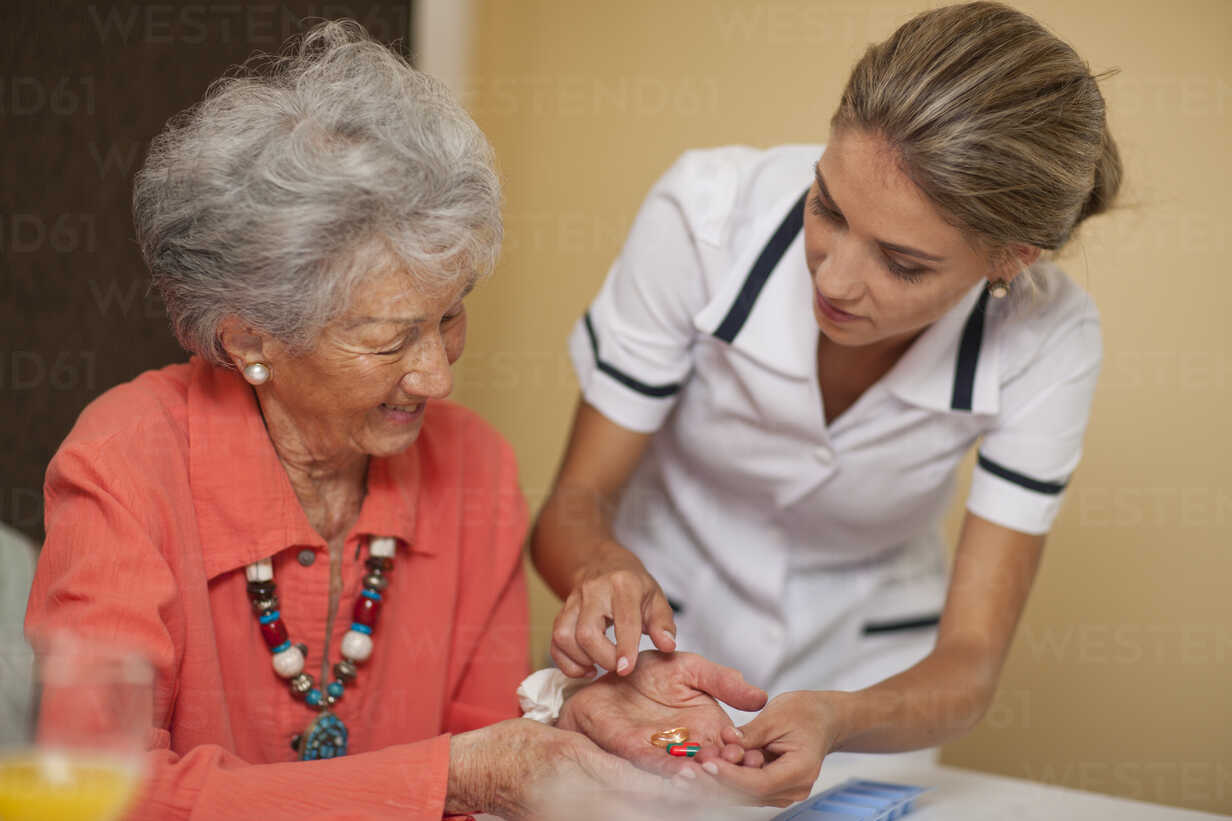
{"type": "Point", "coordinates": [326, 737]}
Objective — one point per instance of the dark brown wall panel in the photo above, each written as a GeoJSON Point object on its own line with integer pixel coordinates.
{"type": "Point", "coordinates": [83, 88]}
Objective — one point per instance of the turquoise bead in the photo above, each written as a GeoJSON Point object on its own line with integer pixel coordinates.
{"type": "Point", "coordinates": [326, 738]}
{"type": "Point", "coordinates": [334, 688]}
{"type": "Point", "coordinates": [314, 697]}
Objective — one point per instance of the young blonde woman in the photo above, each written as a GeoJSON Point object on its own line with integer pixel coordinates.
{"type": "Point", "coordinates": [784, 369]}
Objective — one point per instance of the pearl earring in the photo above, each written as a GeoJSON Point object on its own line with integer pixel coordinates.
{"type": "Point", "coordinates": [999, 288]}
{"type": "Point", "coordinates": [256, 373]}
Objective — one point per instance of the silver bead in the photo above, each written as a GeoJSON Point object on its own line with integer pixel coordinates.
{"type": "Point", "coordinates": [376, 581]}
{"type": "Point", "coordinates": [300, 685]}
{"type": "Point", "coordinates": [345, 670]}
{"type": "Point", "coordinates": [330, 701]}
{"type": "Point", "coordinates": [265, 605]}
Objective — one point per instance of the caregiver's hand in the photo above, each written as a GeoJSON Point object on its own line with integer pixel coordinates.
{"type": "Point", "coordinates": [613, 588]}
{"type": "Point", "coordinates": [666, 690]}
{"type": "Point", "coordinates": [519, 769]}
{"type": "Point", "coordinates": [795, 731]}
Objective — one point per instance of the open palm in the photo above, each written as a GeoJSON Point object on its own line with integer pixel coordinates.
{"type": "Point", "coordinates": [665, 690]}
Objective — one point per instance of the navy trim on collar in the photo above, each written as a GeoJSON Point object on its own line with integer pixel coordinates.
{"type": "Point", "coordinates": [655, 391]}
{"type": "Point", "coordinates": [766, 262]}
{"type": "Point", "coordinates": [969, 355]}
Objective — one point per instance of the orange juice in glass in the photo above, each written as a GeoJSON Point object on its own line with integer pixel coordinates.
{"type": "Point", "coordinates": [51, 786]}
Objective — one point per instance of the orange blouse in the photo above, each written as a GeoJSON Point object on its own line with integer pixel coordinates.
{"type": "Point", "coordinates": [169, 485]}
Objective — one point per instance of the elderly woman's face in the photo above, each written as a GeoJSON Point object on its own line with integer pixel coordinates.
{"type": "Point", "coordinates": [363, 387]}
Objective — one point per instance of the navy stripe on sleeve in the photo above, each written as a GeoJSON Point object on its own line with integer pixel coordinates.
{"type": "Point", "coordinates": [873, 627]}
{"type": "Point", "coordinates": [654, 391]}
{"type": "Point", "coordinates": [766, 262]}
{"type": "Point", "coordinates": [1050, 488]}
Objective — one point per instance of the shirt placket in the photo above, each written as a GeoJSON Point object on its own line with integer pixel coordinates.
{"type": "Point", "coordinates": [303, 594]}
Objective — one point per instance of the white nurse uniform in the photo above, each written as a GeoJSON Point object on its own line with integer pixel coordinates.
{"type": "Point", "coordinates": [804, 554]}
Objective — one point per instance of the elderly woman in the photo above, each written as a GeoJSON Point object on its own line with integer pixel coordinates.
{"type": "Point", "coordinates": [299, 493]}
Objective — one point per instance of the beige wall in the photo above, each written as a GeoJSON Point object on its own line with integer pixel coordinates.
{"type": "Point", "coordinates": [1121, 677]}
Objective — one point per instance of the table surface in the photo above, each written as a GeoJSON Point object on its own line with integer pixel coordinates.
{"type": "Point", "coordinates": [956, 794]}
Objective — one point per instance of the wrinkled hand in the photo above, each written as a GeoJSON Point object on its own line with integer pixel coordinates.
{"type": "Point", "coordinates": [616, 590]}
{"type": "Point", "coordinates": [521, 769]}
{"type": "Point", "coordinates": [665, 690]}
{"type": "Point", "coordinates": [795, 731]}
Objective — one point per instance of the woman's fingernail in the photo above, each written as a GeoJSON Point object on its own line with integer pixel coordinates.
{"type": "Point", "coordinates": [622, 665]}
{"type": "Point", "coordinates": [739, 733]}
{"type": "Point", "coordinates": [687, 774]}
{"type": "Point", "coordinates": [711, 768]}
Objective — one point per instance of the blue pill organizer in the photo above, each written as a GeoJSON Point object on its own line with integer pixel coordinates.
{"type": "Point", "coordinates": [855, 800]}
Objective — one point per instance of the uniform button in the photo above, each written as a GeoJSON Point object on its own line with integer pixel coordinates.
{"type": "Point", "coordinates": [823, 455]}
{"type": "Point", "coordinates": [307, 556]}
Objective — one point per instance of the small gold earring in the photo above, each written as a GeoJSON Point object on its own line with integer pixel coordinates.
{"type": "Point", "coordinates": [999, 288]}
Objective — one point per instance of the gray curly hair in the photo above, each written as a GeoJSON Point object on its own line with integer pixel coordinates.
{"type": "Point", "coordinates": [300, 173]}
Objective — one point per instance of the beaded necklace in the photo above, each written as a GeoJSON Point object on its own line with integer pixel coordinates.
{"type": "Point", "coordinates": [326, 736]}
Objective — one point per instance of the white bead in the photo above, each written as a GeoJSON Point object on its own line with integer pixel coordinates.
{"type": "Point", "coordinates": [382, 546]}
{"type": "Point", "coordinates": [289, 663]}
{"type": "Point", "coordinates": [260, 571]}
{"type": "Point", "coordinates": [356, 646]}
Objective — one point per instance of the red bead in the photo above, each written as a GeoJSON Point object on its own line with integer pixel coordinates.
{"type": "Point", "coordinates": [274, 633]}
{"type": "Point", "coordinates": [366, 610]}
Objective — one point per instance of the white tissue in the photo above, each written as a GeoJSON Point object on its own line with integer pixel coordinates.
{"type": "Point", "coordinates": [542, 694]}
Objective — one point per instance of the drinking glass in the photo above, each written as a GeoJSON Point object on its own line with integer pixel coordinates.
{"type": "Point", "coordinates": [79, 754]}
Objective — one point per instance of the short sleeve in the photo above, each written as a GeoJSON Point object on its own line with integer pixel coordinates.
{"type": "Point", "coordinates": [631, 349]}
{"type": "Point", "coordinates": [1025, 462]}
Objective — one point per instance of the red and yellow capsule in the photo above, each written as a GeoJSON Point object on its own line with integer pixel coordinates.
{"type": "Point", "coordinates": [682, 750]}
